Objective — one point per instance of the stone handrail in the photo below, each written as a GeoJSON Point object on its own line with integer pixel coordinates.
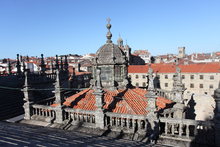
{"type": "Point", "coordinates": [48, 101]}
{"type": "Point", "coordinates": [200, 131]}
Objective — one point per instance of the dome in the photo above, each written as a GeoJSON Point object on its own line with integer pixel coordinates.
{"type": "Point", "coordinates": [110, 53]}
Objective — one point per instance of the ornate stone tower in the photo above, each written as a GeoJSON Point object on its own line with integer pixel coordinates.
{"type": "Point", "coordinates": [111, 61]}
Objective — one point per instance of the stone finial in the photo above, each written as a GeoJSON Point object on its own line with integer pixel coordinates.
{"type": "Point", "coordinates": [66, 64]}
{"type": "Point", "coordinates": [9, 66]}
{"type": "Point", "coordinates": [151, 79]}
{"type": "Point", "coordinates": [18, 65]}
{"type": "Point", "coordinates": [58, 94]}
{"type": "Point", "coordinates": [27, 94]}
{"type": "Point", "coordinates": [57, 62]}
{"type": "Point", "coordinates": [178, 87]}
{"type": "Point", "coordinates": [120, 41]}
{"type": "Point", "coordinates": [42, 65]}
{"type": "Point", "coordinates": [109, 34]}
{"type": "Point", "coordinates": [98, 80]}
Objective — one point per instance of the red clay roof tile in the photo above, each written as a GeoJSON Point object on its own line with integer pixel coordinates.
{"type": "Point", "coordinates": [170, 68]}
{"type": "Point", "coordinates": [126, 101]}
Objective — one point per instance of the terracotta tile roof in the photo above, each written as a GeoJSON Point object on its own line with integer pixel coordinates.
{"type": "Point", "coordinates": [126, 101]}
{"type": "Point", "coordinates": [170, 68]}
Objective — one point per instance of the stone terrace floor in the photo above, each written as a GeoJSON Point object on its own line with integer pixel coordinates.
{"type": "Point", "coordinates": [14, 134]}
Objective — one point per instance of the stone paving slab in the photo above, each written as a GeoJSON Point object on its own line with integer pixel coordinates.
{"type": "Point", "coordinates": [14, 134]}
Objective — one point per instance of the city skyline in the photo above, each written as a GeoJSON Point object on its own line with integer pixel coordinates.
{"type": "Point", "coordinates": [78, 27]}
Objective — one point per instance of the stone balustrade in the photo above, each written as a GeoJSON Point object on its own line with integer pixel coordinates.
{"type": "Point", "coordinates": [168, 113]}
{"type": "Point", "coordinates": [199, 131]}
{"type": "Point", "coordinates": [43, 111]}
{"type": "Point", "coordinates": [164, 93]}
{"type": "Point", "coordinates": [83, 117]}
{"type": "Point", "coordinates": [127, 123]}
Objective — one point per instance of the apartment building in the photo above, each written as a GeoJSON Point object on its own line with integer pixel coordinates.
{"type": "Point", "coordinates": [197, 78]}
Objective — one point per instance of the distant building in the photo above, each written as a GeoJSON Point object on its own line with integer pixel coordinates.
{"type": "Point", "coordinates": [143, 54]}
{"type": "Point", "coordinates": [197, 78]}
{"type": "Point", "coordinates": [181, 53]}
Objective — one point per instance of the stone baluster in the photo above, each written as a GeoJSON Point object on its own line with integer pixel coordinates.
{"type": "Point", "coordinates": [166, 127]}
{"type": "Point", "coordinates": [131, 124]}
{"type": "Point", "coordinates": [187, 130]}
{"type": "Point", "coordinates": [180, 129]}
{"type": "Point", "coordinates": [124, 122]}
{"type": "Point", "coordinates": [172, 129]}
{"type": "Point", "coordinates": [110, 119]}
{"type": "Point", "coordinates": [195, 131]}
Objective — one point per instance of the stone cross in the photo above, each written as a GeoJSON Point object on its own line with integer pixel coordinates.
{"type": "Point", "coordinates": [108, 20]}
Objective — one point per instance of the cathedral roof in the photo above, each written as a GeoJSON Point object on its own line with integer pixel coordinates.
{"type": "Point", "coordinates": [110, 53]}
{"type": "Point", "coordinates": [124, 101]}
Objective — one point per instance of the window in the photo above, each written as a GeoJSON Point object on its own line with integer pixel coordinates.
{"type": "Point", "coordinates": [191, 85]}
{"type": "Point", "coordinates": [143, 76]}
{"type": "Point", "coordinates": [201, 77]}
{"type": "Point", "coordinates": [137, 84]}
{"type": "Point", "coordinates": [166, 76]}
{"type": "Point", "coordinates": [211, 86]}
{"type": "Point", "coordinates": [144, 84]}
{"type": "Point", "coordinates": [129, 76]}
{"type": "Point", "coordinates": [183, 76]}
{"type": "Point", "coordinates": [166, 84]}
{"type": "Point", "coordinates": [211, 77]}
{"type": "Point", "coordinates": [137, 76]}
{"type": "Point", "coordinates": [200, 85]}
{"type": "Point", "coordinates": [191, 76]}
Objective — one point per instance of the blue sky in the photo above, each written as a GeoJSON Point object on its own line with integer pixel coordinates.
{"type": "Point", "coordinates": [32, 27]}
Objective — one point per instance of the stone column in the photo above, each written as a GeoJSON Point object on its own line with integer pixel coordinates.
{"type": "Point", "coordinates": [58, 100]}
{"type": "Point", "coordinates": [28, 97]}
{"type": "Point", "coordinates": [217, 116]}
{"type": "Point", "coordinates": [177, 96]}
{"type": "Point", "coordinates": [99, 114]}
{"type": "Point", "coordinates": [153, 129]}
